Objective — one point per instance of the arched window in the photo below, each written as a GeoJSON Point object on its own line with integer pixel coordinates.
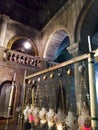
{"type": "Point", "coordinates": [23, 45]}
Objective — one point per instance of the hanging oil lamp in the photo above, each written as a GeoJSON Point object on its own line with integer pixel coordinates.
{"type": "Point", "coordinates": [42, 116]}
{"type": "Point", "coordinates": [50, 114]}
{"type": "Point", "coordinates": [25, 113]}
{"type": "Point", "coordinates": [60, 116]}
{"type": "Point", "coordinates": [38, 100]}
{"type": "Point", "coordinates": [33, 92]}
{"type": "Point", "coordinates": [42, 104]}
{"type": "Point", "coordinates": [71, 121]}
{"type": "Point", "coordinates": [59, 119]}
{"type": "Point", "coordinates": [36, 116]}
{"type": "Point", "coordinates": [50, 118]}
{"type": "Point", "coordinates": [84, 120]}
{"type": "Point", "coordinates": [30, 114]}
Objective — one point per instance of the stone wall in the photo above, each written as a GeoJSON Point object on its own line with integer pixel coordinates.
{"type": "Point", "coordinates": [7, 71]}
{"type": "Point", "coordinates": [65, 19]}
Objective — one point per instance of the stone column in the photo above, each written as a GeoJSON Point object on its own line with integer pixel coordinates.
{"type": "Point", "coordinates": [74, 50]}
{"type": "Point", "coordinates": [3, 27]}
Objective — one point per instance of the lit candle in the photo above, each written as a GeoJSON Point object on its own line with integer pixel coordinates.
{"type": "Point", "coordinates": [89, 43]}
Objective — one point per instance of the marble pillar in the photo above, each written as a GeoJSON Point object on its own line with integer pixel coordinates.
{"type": "Point", "coordinates": [80, 82]}
{"type": "Point", "coordinates": [3, 27]}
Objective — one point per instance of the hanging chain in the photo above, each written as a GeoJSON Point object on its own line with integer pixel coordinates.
{"type": "Point", "coordinates": [40, 98]}
{"type": "Point", "coordinates": [62, 96]}
{"type": "Point", "coordinates": [46, 96]}
{"type": "Point", "coordinates": [53, 93]}
{"type": "Point", "coordinates": [83, 87]}
{"type": "Point", "coordinates": [36, 96]}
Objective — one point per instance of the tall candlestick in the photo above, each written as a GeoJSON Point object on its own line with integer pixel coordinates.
{"type": "Point", "coordinates": [89, 44]}
{"type": "Point", "coordinates": [11, 96]}
{"type": "Point", "coordinates": [10, 101]}
{"type": "Point", "coordinates": [12, 91]}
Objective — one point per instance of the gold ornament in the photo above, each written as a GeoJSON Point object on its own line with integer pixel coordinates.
{"type": "Point", "coordinates": [69, 71]}
{"type": "Point", "coordinates": [51, 75]}
{"type": "Point", "coordinates": [44, 77]}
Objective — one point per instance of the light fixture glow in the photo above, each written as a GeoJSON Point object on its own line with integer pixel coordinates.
{"type": "Point", "coordinates": [27, 45]}
{"type": "Point", "coordinates": [42, 115]}
{"type": "Point", "coordinates": [50, 118]}
{"type": "Point", "coordinates": [42, 122]}
{"type": "Point", "coordinates": [50, 124]}
{"type": "Point", "coordinates": [59, 119]}
{"type": "Point", "coordinates": [59, 126]}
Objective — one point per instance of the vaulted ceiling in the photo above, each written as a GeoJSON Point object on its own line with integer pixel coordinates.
{"type": "Point", "coordinates": [35, 13]}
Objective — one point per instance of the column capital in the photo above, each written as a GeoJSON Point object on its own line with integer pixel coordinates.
{"type": "Point", "coordinates": [74, 49]}
{"type": "Point", "coordinates": [4, 17]}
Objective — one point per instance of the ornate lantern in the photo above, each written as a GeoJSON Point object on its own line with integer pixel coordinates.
{"type": "Point", "coordinates": [59, 119]}
{"type": "Point", "coordinates": [71, 121]}
{"type": "Point", "coordinates": [25, 113]}
{"type": "Point", "coordinates": [30, 114]}
{"type": "Point", "coordinates": [42, 115]}
{"type": "Point", "coordinates": [36, 116]}
{"type": "Point", "coordinates": [50, 118]}
{"type": "Point", "coordinates": [84, 120]}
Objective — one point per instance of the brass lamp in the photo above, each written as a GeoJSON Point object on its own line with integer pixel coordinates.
{"type": "Point", "coordinates": [59, 119]}
{"type": "Point", "coordinates": [50, 118]}
{"type": "Point", "coordinates": [42, 116]}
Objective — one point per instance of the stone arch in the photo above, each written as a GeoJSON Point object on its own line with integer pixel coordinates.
{"type": "Point", "coordinates": [86, 24]}
{"type": "Point", "coordinates": [54, 42]}
{"type": "Point", "coordinates": [16, 38]}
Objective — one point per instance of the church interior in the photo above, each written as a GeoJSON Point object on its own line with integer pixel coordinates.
{"type": "Point", "coordinates": [48, 65]}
